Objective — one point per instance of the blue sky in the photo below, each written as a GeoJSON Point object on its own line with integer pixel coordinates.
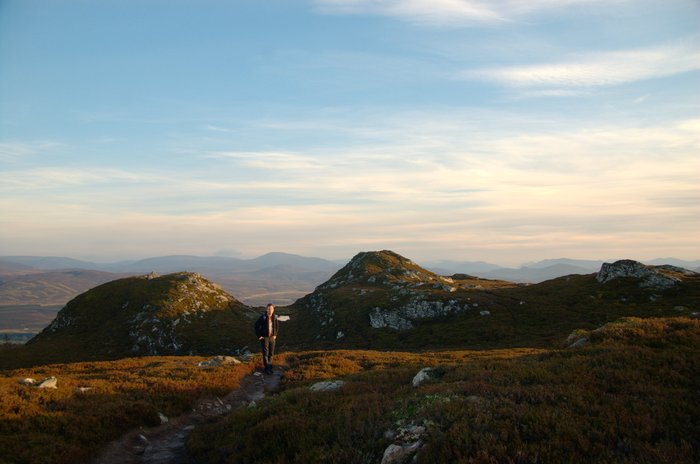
{"type": "Point", "coordinates": [503, 130]}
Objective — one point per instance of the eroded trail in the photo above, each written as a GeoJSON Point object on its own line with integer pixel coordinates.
{"type": "Point", "coordinates": [166, 443]}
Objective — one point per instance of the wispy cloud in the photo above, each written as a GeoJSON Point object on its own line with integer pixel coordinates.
{"type": "Point", "coordinates": [448, 12]}
{"type": "Point", "coordinates": [596, 70]}
{"type": "Point", "coordinates": [267, 159]}
{"type": "Point", "coordinates": [13, 150]}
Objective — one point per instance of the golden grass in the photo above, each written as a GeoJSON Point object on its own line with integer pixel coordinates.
{"type": "Point", "coordinates": [631, 396]}
{"type": "Point", "coordinates": [65, 426]}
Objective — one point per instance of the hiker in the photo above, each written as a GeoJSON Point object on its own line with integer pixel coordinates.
{"type": "Point", "coordinates": [266, 329]}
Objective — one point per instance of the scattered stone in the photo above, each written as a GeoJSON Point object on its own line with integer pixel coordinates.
{"type": "Point", "coordinates": [485, 312]}
{"type": "Point", "coordinates": [327, 385]}
{"type": "Point", "coordinates": [579, 343]}
{"type": "Point", "coordinates": [283, 318]}
{"type": "Point", "coordinates": [399, 454]}
{"type": "Point", "coordinates": [28, 381]}
{"type": "Point", "coordinates": [82, 389]}
{"type": "Point", "coordinates": [48, 383]}
{"type": "Point", "coordinates": [422, 375]}
{"type": "Point", "coordinates": [340, 335]}
{"type": "Point", "coordinates": [252, 404]}
{"type": "Point", "coordinates": [219, 361]}
{"type": "Point", "coordinates": [163, 418]}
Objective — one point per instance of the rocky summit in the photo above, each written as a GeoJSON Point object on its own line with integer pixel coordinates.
{"type": "Point", "coordinates": [177, 313]}
{"type": "Point", "coordinates": [653, 277]}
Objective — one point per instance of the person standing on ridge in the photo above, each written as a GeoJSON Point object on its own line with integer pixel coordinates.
{"type": "Point", "coordinates": [266, 329]}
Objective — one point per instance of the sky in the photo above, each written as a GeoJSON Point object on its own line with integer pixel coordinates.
{"type": "Point", "coordinates": [503, 131]}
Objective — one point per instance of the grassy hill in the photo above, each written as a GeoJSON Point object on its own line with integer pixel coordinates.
{"type": "Point", "coordinates": [381, 300]}
{"type": "Point", "coordinates": [179, 313]}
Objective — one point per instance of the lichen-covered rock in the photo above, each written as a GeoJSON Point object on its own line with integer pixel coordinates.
{"type": "Point", "coordinates": [399, 454]}
{"type": "Point", "coordinates": [50, 382]}
{"type": "Point", "coordinates": [422, 375]}
{"type": "Point", "coordinates": [656, 277]}
{"type": "Point", "coordinates": [327, 385]}
{"type": "Point", "coordinates": [402, 318]}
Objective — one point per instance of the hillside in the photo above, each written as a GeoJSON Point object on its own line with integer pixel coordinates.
{"type": "Point", "coordinates": [629, 396]}
{"type": "Point", "coordinates": [180, 313]}
{"type": "Point", "coordinates": [378, 300]}
{"type": "Point", "coordinates": [382, 300]}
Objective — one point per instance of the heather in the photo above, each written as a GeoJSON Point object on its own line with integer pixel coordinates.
{"type": "Point", "coordinates": [629, 395]}
{"type": "Point", "coordinates": [64, 425]}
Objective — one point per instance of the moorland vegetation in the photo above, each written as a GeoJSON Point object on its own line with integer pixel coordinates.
{"type": "Point", "coordinates": [576, 369]}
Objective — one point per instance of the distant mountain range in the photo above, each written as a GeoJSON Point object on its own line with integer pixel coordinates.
{"type": "Point", "coordinates": [279, 278]}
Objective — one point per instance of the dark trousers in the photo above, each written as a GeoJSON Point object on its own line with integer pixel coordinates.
{"type": "Point", "coordinates": [267, 345]}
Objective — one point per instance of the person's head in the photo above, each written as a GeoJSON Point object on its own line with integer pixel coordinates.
{"type": "Point", "coordinates": [270, 309]}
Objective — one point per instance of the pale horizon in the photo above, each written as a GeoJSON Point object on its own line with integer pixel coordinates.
{"type": "Point", "coordinates": [505, 132]}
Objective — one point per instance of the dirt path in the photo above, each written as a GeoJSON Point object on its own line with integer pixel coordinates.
{"type": "Point", "coordinates": [166, 443]}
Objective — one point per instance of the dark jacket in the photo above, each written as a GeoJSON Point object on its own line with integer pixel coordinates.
{"type": "Point", "coordinates": [261, 326]}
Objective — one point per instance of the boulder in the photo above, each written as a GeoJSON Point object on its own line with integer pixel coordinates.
{"type": "Point", "coordinates": [327, 385]}
{"type": "Point", "coordinates": [656, 277]}
{"type": "Point", "coordinates": [422, 375]}
{"type": "Point", "coordinates": [399, 454]}
{"type": "Point", "coordinates": [48, 383]}
{"type": "Point", "coordinates": [28, 381]}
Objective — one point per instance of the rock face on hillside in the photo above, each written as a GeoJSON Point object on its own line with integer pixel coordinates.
{"type": "Point", "coordinates": [654, 277]}
{"type": "Point", "coordinates": [392, 291]}
{"type": "Point", "coordinates": [148, 315]}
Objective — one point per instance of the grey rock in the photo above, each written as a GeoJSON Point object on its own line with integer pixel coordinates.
{"type": "Point", "coordinates": [656, 277]}
{"type": "Point", "coordinates": [28, 381]}
{"type": "Point", "coordinates": [50, 382]}
{"type": "Point", "coordinates": [399, 454]}
{"type": "Point", "coordinates": [218, 361]}
{"type": "Point", "coordinates": [327, 385]}
{"type": "Point", "coordinates": [421, 376]}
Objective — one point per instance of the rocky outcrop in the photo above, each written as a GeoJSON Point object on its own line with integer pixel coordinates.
{"type": "Point", "coordinates": [403, 317]}
{"type": "Point", "coordinates": [654, 277]}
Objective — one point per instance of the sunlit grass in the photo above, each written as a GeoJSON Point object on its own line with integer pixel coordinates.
{"type": "Point", "coordinates": [629, 396]}
{"type": "Point", "coordinates": [63, 425]}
